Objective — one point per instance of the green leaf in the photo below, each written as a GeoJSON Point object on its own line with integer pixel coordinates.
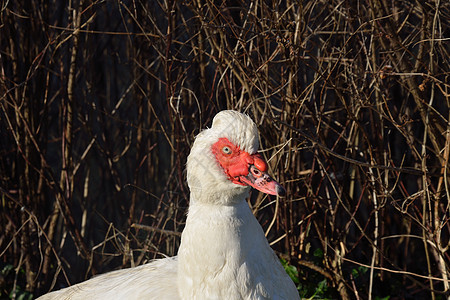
{"type": "Point", "coordinates": [318, 253]}
{"type": "Point", "coordinates": [290, 270]}
{"type": "Point", "coordinates": [359, 271]}
{"type": "Point", "coordinates": [7, 269]}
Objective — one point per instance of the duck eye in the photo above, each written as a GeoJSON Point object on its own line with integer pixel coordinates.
{"type": "Point", "coordinates": [226, 150]}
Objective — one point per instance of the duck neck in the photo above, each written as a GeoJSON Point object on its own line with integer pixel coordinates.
{"type": "Point", "coordinates": [215, 227]}
{"type": "Point", "coordinates": [215, 243]}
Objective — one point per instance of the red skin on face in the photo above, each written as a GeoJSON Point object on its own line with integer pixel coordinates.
{"type": "Point", "coordinates": [234, 161]}
{"type": "Point", "coordinates": [245, 169]}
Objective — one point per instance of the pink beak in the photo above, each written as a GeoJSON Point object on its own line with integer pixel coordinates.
{"type": "Point", "coordinates": [262, 181]}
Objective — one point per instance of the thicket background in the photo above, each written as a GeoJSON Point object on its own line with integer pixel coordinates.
{"type": "Point", "coordinates": [101, 100]}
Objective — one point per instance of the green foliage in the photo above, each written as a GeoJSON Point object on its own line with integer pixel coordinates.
{"type": "Point", "coordinates": [11, 291]}
{"type": "Point", "coordinates": [310, 289]}
{"type": "Point", "coordinates": [318, 253]}
{"type": "Point", "coordinates": [290, 270]}
{"type": "Point", "coordinates": [357, 272]}
{"type": "Point", "coordinates": [7, 269]}
{"type": "Point", "coordinates": [319, 290]}
{"type": "Point", "coordinates": [19, 294]}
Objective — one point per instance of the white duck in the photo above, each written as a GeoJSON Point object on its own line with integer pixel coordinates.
{"type": "Point", "coordinates": [223, 253]}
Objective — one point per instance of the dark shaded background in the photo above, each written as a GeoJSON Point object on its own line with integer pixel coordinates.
{"type": "Point", "coordinates": [101, 100]}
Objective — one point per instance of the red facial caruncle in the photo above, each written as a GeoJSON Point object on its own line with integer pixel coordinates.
{"type": "Point", "coordinates": [245, 169]}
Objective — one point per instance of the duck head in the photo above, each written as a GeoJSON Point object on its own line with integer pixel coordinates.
{"type": "Point", "coordinates": [224, 162]}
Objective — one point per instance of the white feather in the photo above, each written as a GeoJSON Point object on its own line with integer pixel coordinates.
{"type": "Point", "coordinates": [155, 280]}
{"type": "Point", "coordinates": [223, 253]}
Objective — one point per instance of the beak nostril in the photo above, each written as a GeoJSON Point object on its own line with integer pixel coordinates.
{"type": "Point", "coordinates": [255, 171]}
{"type": "Point", "coordinates": [261, 181]}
